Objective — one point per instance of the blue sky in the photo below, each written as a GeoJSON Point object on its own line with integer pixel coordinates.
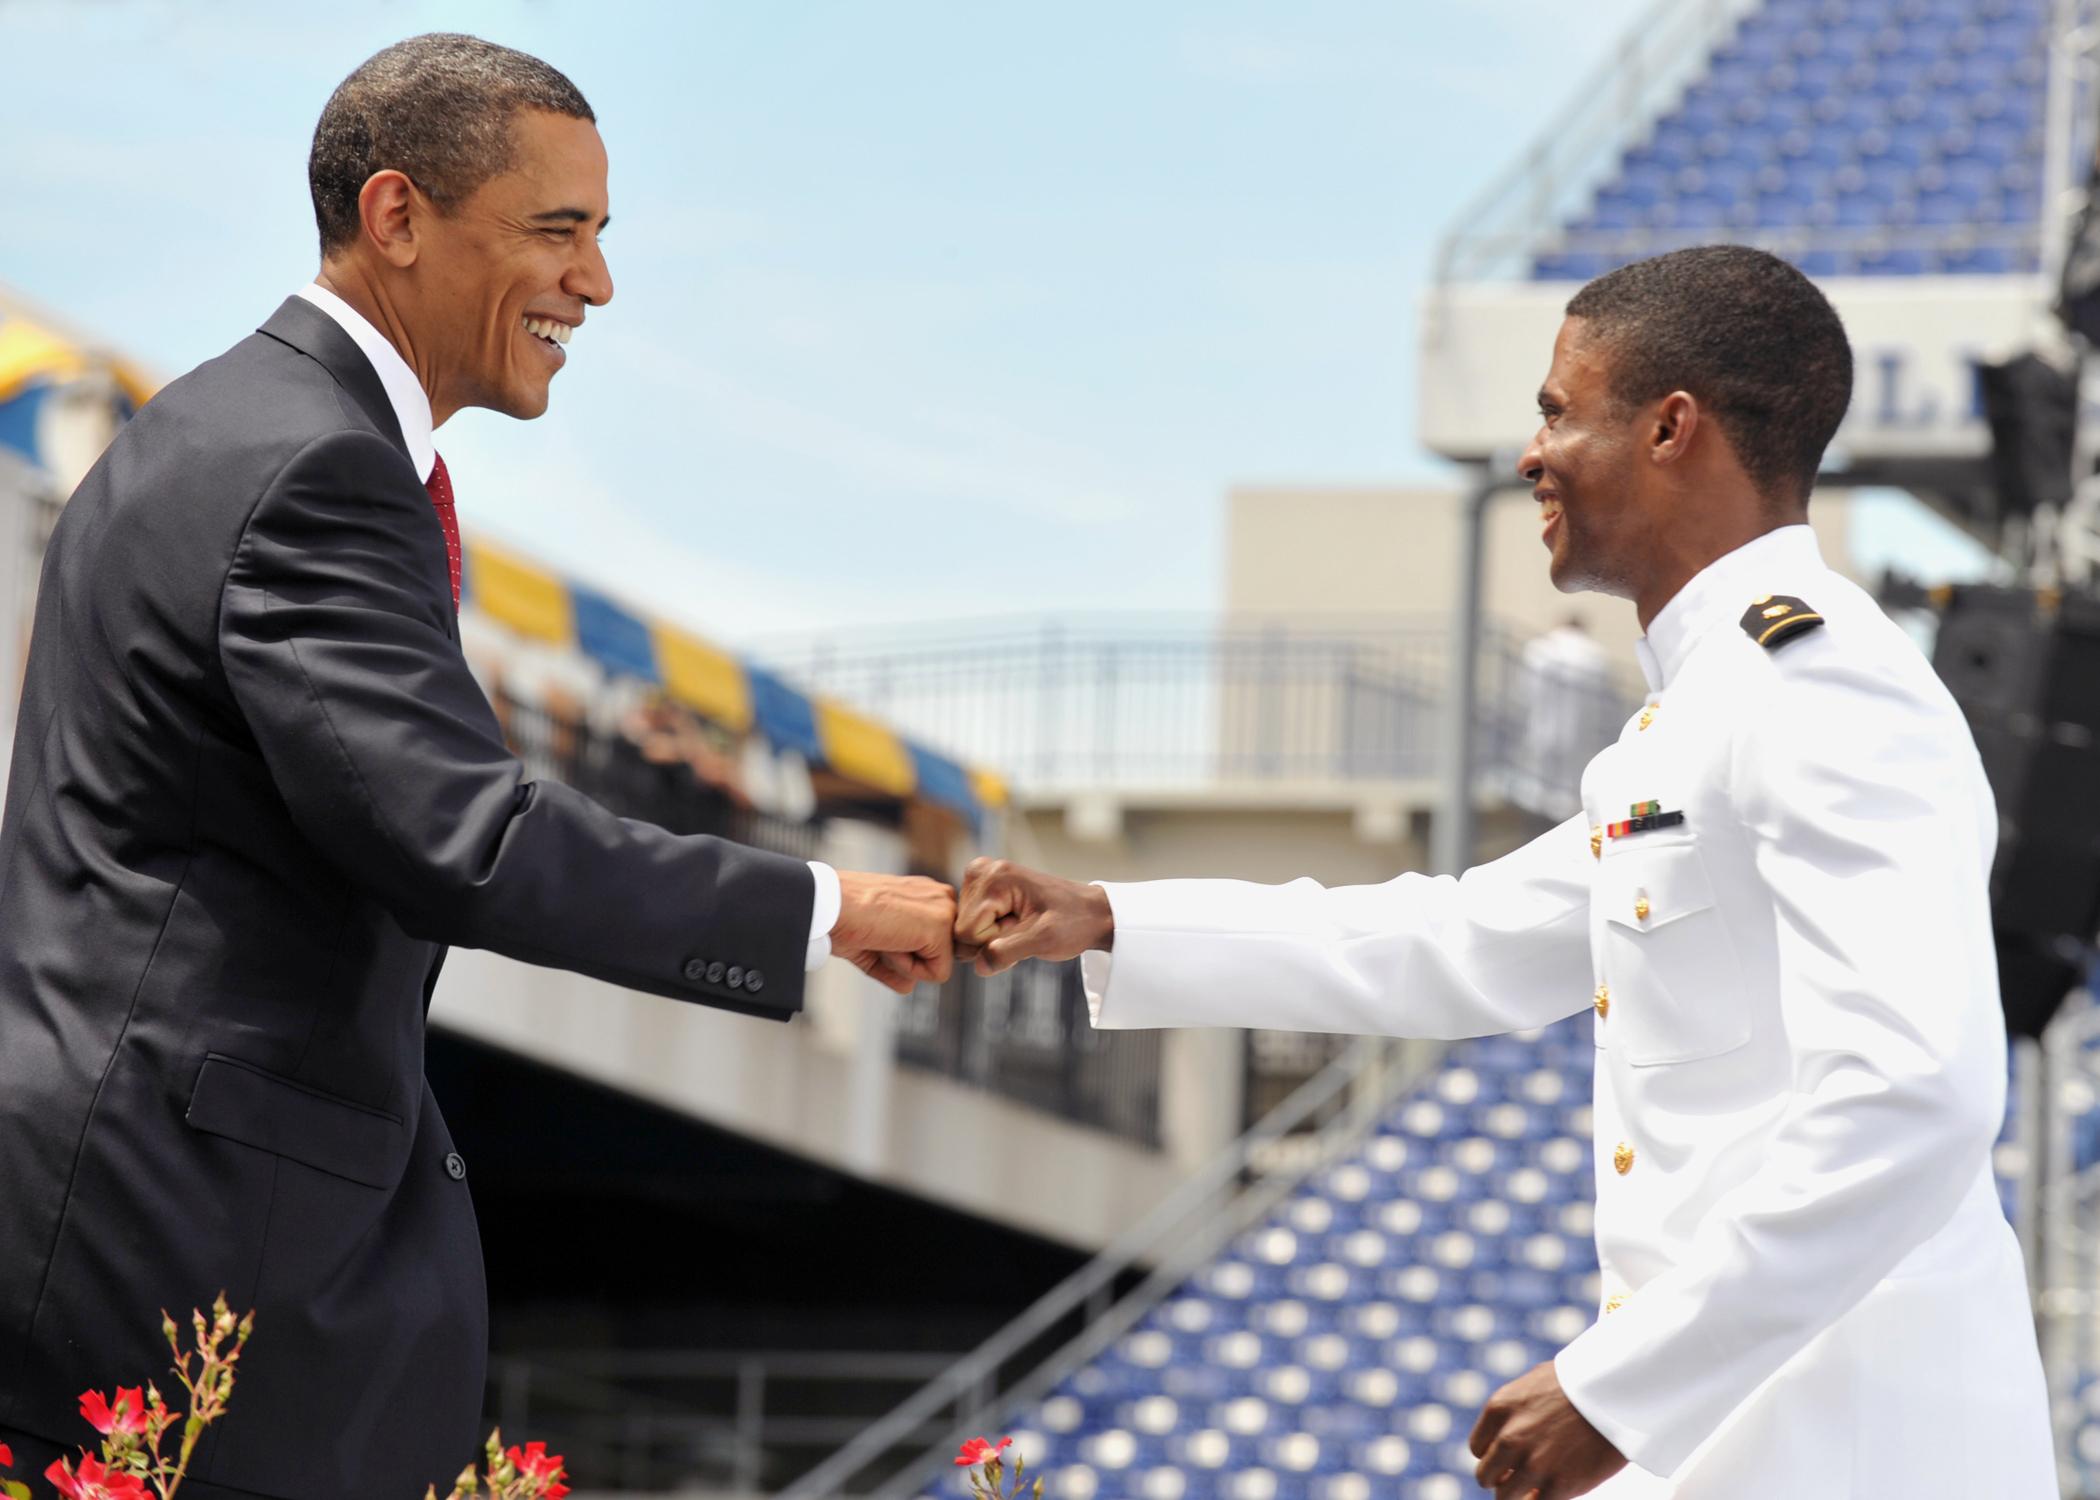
{"type": "Point", "coordinates": [925, 308]}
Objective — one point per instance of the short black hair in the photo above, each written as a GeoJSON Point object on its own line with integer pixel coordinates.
{"type": "Point", "coordinates": [1746, 335]}
{"type": "Point", "coordinates": [436, 107]}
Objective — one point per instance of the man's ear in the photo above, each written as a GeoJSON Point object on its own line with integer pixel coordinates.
{"type": "Point", "coordinates": [1677, 419]}
{"type": "Point", "coordinates": [388, 207]}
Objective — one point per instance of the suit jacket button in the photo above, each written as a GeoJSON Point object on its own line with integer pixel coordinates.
{"type": "Point", "coordinates": [455, 1165]}
{"type": "Point", "coordinates": [715, 971]}
{"type": "Point", "coordinates": [734, 978]}
{"type": "Point", "coordinates": [753, 981]}
{"type": "Point", "coordinates": [695, 970]}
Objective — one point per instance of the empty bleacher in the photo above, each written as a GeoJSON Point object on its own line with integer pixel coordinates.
{"type": "Point", "coordinates": [1343, 1348]}
{"type": "Point", "coordinates": [1899, 137]}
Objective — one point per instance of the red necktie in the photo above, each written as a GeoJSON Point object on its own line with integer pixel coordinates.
{"type": "Point", "coordinates": [439, 484]}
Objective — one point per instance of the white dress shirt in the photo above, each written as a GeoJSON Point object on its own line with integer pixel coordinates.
{"type": "Point", "coordinates": [411, 405]}
{"type": "Point", "coordinates": [1809, 1288]}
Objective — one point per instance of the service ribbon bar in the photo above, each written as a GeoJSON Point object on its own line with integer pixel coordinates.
{"type": "Point", "coordinates": [1643, 822]}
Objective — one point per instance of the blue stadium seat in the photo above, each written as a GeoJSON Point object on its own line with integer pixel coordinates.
{"type": "Point", "coordinates": [1937, 102]}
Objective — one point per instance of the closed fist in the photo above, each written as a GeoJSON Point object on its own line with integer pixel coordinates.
{"type": "Point", "coordinates": [897, 929]}
{"type": "Point", "coordinates": [1009, 912]}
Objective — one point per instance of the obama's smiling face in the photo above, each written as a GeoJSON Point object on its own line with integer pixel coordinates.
{"type": "Point", "coordinates": [504, 278]}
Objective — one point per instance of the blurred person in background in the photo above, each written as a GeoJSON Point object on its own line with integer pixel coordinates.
{"type": "Point", "coordinates": [256, 791]}
{"type": "Point", "coordinates": [1774, 902]}
{"type": "Point", "coordinates": [1567, 700]}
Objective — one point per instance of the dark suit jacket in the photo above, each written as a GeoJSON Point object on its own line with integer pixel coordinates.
{"type": "Point", "coordinates": [254, 792]}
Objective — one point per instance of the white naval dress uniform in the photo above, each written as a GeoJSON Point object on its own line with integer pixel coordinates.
{"type": "Point", "coordinates": [1810, 1290]}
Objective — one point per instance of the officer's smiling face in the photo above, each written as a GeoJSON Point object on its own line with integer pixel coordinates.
{"type": "Point", "coordinates": [1584, 470]}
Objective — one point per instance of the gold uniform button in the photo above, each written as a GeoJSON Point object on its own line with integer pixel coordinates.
{"type": "Point", "coordinates": [1647, 716]}
{"type": "Point", "coordinates": [1641, 908]}
{"type": "Point", "coordinates": [1597, 841]}
{"type": "Point", "coordinates": [1603, 1001]}
{"type": "Point", "coordinates": [1622, 1159]}
{"type": "Point", "coordinates": [1614, 1302]}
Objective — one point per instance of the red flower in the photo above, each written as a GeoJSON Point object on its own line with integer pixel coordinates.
{"type": "Point", "coordinates": [93, 1482]}
{"type": "Point", "coordinates": [535, 1462]}
{"type": "Point", "coordinates": [980, 1450]}
{"type": "Point", "coordinates": [128, 1415]}
{"type": "Point", "coordinates": [7, 1457]}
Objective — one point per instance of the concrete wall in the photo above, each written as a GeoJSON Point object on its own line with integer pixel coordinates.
{"type": "Point", "coordinates": [1915, 341]}
{"type": "Point", "coordinates": [1314, 549]}
{"type": "Point", "coordinates": [793, 1086]}
{"type": "Point", "coordinates": [826, 1085]}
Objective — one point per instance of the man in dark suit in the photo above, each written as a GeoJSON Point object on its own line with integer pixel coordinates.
{"type": "Point", "coordinates": [255, 792]}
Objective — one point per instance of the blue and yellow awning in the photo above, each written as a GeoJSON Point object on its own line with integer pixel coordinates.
{"type": "Point", "coordinates": [541, 606]}
{"type": "Point", "coordinates": [525, 598]}
{"type": "Point", "coordinates": [36, 360]}
{"type": "Point", "coordinates": [31, 354]}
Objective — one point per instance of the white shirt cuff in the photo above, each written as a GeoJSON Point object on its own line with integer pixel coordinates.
{"type": "Point", "coordinates": [823, 914]}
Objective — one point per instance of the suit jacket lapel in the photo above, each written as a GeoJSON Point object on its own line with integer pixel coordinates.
{"type": "Point", "coordinates": [313, 333]}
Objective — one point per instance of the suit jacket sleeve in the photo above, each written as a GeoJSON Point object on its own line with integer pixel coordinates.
{"type": "Point", "coordinates": [1501, 948]}
{"type": "Point", "coordinates": [333, 638]}
{"type": "Point", "coordinates": [1870, 823]}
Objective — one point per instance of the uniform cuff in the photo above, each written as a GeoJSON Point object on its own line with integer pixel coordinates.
{"type": "Point", "coordinates": [823, 914]}
{"type": "Point", "coordinates": [1588, 1364]}
{"type": "Point", "coordinates": [1094, 969]}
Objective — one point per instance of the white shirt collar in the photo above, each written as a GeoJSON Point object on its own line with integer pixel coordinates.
{"type": "Point", "coordinates": [1720, 591]}
{"type": "Point", "coordinates": [403, 391]}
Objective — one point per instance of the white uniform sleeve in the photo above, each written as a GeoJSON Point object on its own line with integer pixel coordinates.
{"type": "Point", "coordinates": [1501, 948]}
{"type": "Point", "coordinates": [1872, 826]}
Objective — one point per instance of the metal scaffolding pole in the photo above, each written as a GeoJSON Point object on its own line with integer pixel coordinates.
{"type": "Point", "coordinates": [1454, 827]}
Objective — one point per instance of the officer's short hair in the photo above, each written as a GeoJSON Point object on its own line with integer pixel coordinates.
{"type": "Point", "coordinates": [437, 108]}
{"type": "Point", "coordinates": [1742, 332]}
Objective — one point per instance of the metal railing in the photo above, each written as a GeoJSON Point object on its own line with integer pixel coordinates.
{"type": "Point", "coordinates": [2066, 1214]}
{"type": "Point", "coordinates": [611, 770]}
{"type": "Point", "coordinates": [1167, 701]}
{"type": "Point", "coordinates": [665, 1420]}
{"type": "Point", "coordinates": [1026, 1359]}
{"type": "Point", "coordinates": [1025, 1035]}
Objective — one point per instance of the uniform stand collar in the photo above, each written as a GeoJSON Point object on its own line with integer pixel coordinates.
{"type": "Point", "coordinates": [1717, 593]}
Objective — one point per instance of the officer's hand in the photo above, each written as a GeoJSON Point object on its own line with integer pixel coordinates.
{"type": "Point", "coordinates": [1531, 1440]}
{"type": "Point", "coordinates": [1009, 912]}
{"type": "Point", "coordinates": [896, 929]}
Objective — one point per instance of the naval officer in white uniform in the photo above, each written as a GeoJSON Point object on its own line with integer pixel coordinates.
{"type": "Point", "coordinates": [1774, 903]}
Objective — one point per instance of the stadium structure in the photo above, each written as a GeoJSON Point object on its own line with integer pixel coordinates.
{"type": "Point", "coordinates": [1330, 1333]}
{"type": "Point", "coordinates": [734, 1260]}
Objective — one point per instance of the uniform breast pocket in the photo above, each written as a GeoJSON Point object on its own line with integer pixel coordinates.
{"type": "Point", "coordinates": [1676, 988]}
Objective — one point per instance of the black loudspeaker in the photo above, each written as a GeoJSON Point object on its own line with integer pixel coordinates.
{"type": "Point", "coordinates": [2078, 291]}
{"type": "Point", "coordinates": [2031, 407]}
{"type": "Point", "coordinates": [2025, 667]}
